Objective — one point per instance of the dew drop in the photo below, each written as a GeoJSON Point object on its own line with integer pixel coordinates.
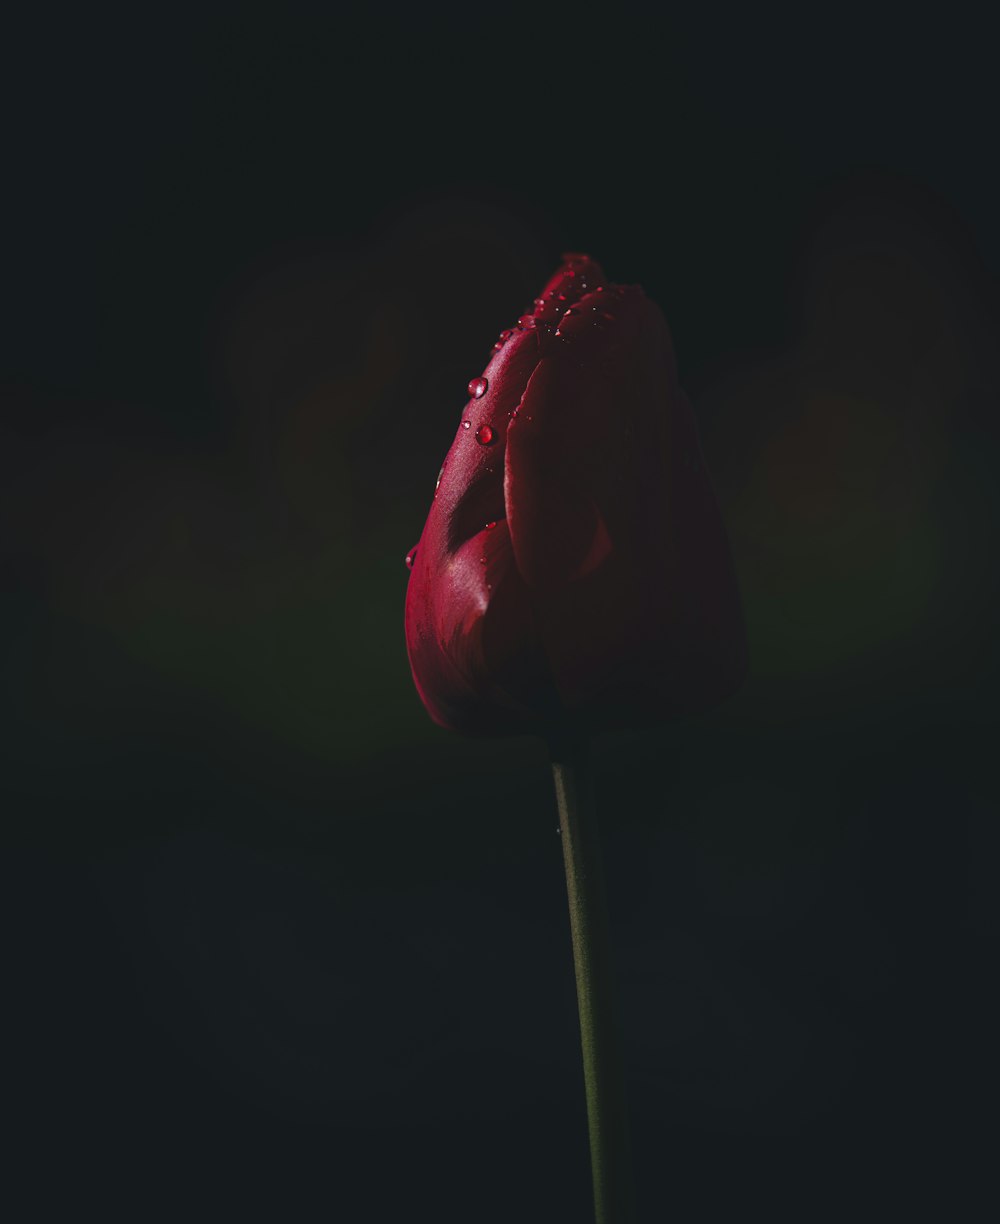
{"type": "Point", "coordinates": [482, 560]}
{"type": "Point", "coordinates": [466, 424]}
{"type": "Point", "coordinates": [411, 556]}
{"type": "Point", "coordinates": [527, 322]}
{"type": "Point", "coordinates": [477, 388]}
{"type": "Point", "coordinates": [485, 435]}
{"type": "Point", "coordinates": [490, 526]}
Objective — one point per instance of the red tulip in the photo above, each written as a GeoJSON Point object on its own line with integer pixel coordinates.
{"type": "Point", "coordinates": [573, 570]}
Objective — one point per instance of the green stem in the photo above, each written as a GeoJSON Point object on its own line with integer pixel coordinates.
{"type": "Point", "coordinates": [588, 913]}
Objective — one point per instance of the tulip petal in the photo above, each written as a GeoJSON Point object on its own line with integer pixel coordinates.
{"type": "Point", "coordinates": [615, 527]}
{"type": "Point", "coordinates": [472, 644]}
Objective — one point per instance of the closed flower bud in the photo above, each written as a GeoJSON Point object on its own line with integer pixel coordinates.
{"type": "Point", "coordinates": [573, 572]}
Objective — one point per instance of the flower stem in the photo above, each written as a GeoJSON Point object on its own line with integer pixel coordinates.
{"type": "Point", "coordinates": [607, 1115]}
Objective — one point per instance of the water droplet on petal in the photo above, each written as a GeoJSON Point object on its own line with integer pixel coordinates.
{"type": "Point", "coordinates": [411, 556]}
{"type": "Point", "coordinates": [466, 424]}
{"type": "Point", "coordinates": [477, 388]}
{"type": "Point", "coordinates": [526, 322]}
{"type": "Point", "coordinates": [482, 560]}
{"type": "Point", "coordinates": [485, 435]}
{"type": "Point", "coordinates": [490, 526]}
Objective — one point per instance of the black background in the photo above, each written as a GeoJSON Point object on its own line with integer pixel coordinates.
{"type": "Point", "coordinates": [276, 946]}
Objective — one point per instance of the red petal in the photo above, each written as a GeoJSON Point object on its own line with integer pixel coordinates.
{"type": "Point", "coordinates": [472, 646]}
{"type": "Point", "coordinates": [615, 527]}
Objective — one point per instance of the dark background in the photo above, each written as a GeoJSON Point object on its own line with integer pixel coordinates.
{"type": "Point", "coordinates": [276, 946]}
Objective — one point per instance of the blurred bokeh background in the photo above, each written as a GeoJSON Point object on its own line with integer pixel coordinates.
{"type": "Point", "coordinates": [275, 946]}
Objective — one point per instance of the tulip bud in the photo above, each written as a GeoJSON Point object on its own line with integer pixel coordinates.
{"type": "Point", "coordinates": [574, 571]}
